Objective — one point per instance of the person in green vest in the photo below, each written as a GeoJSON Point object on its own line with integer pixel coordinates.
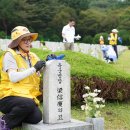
{"type": "Point", "coordinates": [20, 79]}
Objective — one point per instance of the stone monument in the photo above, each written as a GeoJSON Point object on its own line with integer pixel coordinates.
{"type": "Point", "coordinates": [56, 100]}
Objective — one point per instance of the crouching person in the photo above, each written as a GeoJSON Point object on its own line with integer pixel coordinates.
{"type": "Point", "coordinates": [20, 79]}
{"type": "Point", "coordinates": [110, 54]}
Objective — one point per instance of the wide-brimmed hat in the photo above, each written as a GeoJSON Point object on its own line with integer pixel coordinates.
{"type": "Point", "coordinates": [18, 33]}
{"type": "Point", "coordinates": [114, 30]}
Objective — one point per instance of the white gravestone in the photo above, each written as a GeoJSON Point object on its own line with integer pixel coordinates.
{"type": "Point", "coordinates": [56, 92]}
{"type": "Point", "coordinates": [56, 100]}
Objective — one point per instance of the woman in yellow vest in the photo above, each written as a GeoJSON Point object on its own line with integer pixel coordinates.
{"type": "Point", "coordinates": [19, 86]}
{"type": "Point", "coordinates": [113, 40]}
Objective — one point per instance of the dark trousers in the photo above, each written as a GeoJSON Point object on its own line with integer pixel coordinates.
{"type": "Point", "coordinates": [115, 49]}
{"type": "Point", "coordinates": [18, 110]}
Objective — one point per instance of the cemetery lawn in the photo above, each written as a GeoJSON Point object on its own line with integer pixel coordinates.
{"type": "Point", "coordinates": [116, 114]}
{"type": "Point", "coordinates": [124, 62]}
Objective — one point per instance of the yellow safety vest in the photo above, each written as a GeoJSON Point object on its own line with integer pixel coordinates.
{"type": "Point", "coordinates": [113, 39]}
{"type": "Point", "coordinates": [28, 87]}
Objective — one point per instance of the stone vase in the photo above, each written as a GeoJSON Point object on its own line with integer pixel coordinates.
{"type": "Point", "coordinates": [98, 123]}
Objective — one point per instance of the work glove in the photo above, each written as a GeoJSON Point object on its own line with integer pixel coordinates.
{"type": "Point", "coordinates": [54, 57]}
{"type": "Point", "coordinates": [39, 65]}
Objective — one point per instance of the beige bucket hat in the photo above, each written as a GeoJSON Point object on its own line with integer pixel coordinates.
{"type": "Point", "coordinates": [114, 30]}
{"type": "Point", "coordinates": [18, 33]}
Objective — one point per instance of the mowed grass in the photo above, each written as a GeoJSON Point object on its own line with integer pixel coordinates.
{"type": "Point", "coordinates": [123, 62]}
{"type": "Point", "coordinates": [116, 114]}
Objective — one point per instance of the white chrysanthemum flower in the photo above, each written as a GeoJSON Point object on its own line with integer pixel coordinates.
{"type": "Point", "coordinates": [103, 101]}
{"type": "Point", "coordinates": [93, 94]}
{"type": "Point", "coordinates": [86, 87]}
{"type": "Point", "coordinates": [97, 99]}
{"type": "Point", "coordinates": [92, 103]}
{"type": "Point", "coordinates": [95, 90]}
{"type": "Point", "coordinates": [85, 95]}
{"type": "Point", "coordinates": [83, 107]}
{"type": "Point", "coordinates": [99, 91]}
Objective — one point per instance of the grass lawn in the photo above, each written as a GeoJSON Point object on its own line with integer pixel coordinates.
{"type": "Point", "coordinates": [116, 115]}
{"type": "Point", "coordinates": [124, 62]}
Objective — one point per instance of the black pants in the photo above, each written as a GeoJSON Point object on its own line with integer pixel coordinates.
{"type": "Point", "coordinates": [115, 49]}
{"type": "Point", "coordinates": [18, 110]}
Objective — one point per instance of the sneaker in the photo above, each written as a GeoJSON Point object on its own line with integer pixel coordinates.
{"type": "Point", "coordinates": [3, 125]}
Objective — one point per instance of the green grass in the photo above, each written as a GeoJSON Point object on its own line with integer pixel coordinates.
{"type": "Point", "coordinates": [116, 115]}
{"type": "Point", "coordinates": [123, 63]}
{"type": "Point", "coordinates": [87, 66]}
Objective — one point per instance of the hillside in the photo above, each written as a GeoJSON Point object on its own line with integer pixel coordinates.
{"type": "Point", "coordinates": [113, 82]}
{"type": "Point", "coordinates": [88, 66]}
{"type": "Point", "coordinates": [87, 70]}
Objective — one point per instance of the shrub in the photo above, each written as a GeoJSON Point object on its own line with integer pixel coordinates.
{"type": "Point", "coordinates": [2, 34]}
{"type": "Point", "coordinates": [97, 36]}
{"type": "Point", "coordinates": [87, 39]}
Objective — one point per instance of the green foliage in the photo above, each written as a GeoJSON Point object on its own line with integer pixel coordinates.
{"type": "Point", "coordinates": [86, 70]}
{"type": "Point", "coordinates": [2, 34]}
{"type": "Point", "coordinates": [47, 17]}
{"type": "Point", "coordinates": [97, 36]}
{"type": "Point", "coordinates": [87, 39]}
{"type": "Point", "coordinates": [116, 115]}
{"type": "Point", "coordinates": [125, 35]}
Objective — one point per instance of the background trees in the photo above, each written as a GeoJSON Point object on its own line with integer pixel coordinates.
{"type": "Point", "coordinates": [47, 17]}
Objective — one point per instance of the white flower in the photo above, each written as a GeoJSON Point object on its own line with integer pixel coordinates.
{"type": "Point", "coordinates": [95, 90]}
{"type": "Point", "coordinates": [99, 91]}
{"type": "Point", "coordinates": [103, 101]}
{"type": "Point", "coordinates": [85, 95]}
{"type": "Point", "coordinates": [93, 103]}
{"type": "Point", "coordinates": [86, 87]}
{"type": "Point", "coordinates": [97, 99]}
{"type": "Point", "coordinates": [83, 107]}
{"type": "Point", "coordinates": [93, 94]}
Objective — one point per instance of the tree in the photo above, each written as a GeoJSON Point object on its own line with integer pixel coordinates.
{"type": "Point", "coordinates": [12, 13]}
{"type": "Point", "coordinates": [89, 22]}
